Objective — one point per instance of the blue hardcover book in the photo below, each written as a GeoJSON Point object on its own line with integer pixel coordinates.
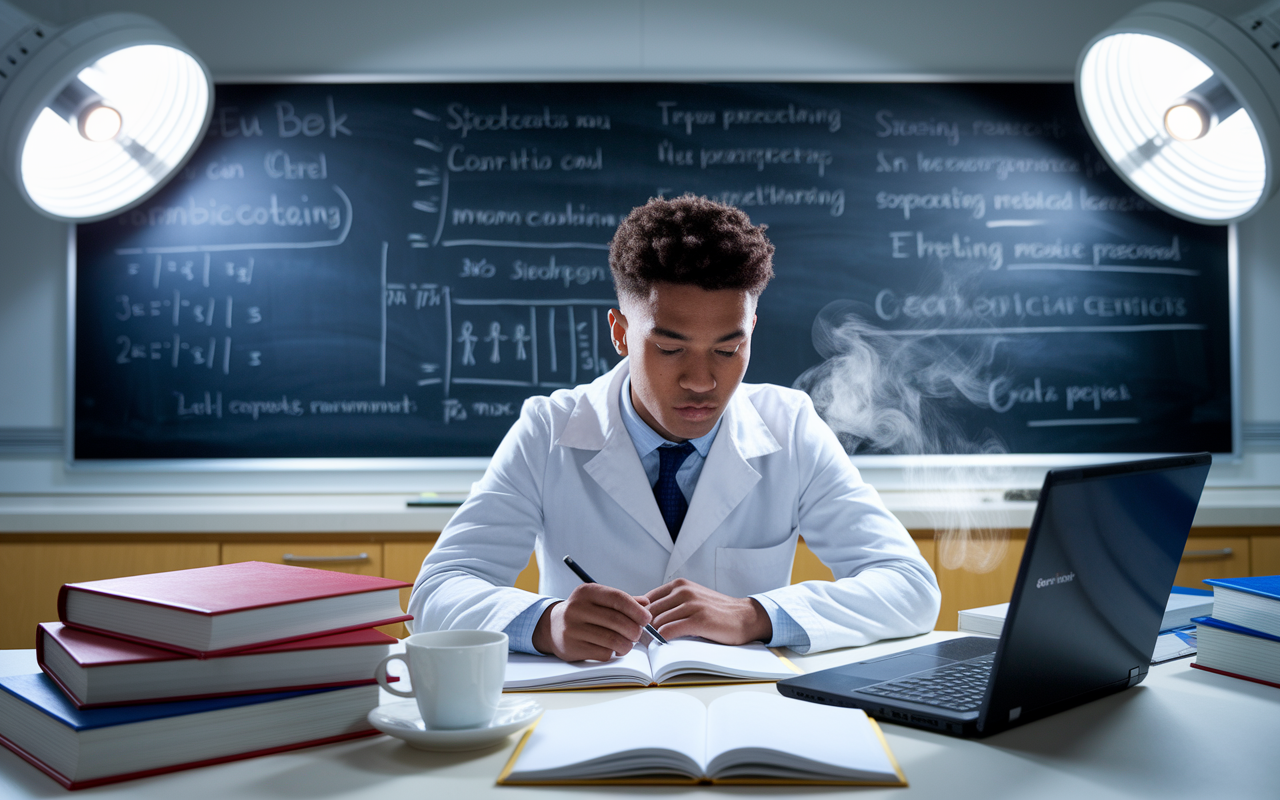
{"type": "Point", "coordinates": [1260, 585]}
{"type": "Point", "coordinates": [123, 742]}
{"type": "Point", "coordinates": [1249, 602]}
{"type": "Point", "coordinates": [1237, 651]}
{"type": "Point", "coordinates": [1227, 626]}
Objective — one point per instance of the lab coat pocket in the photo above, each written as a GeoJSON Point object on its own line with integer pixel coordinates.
{"type": "Point", "coordinates": [743, 571]}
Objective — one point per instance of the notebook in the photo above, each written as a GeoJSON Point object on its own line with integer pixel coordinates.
{"type": "Point", "coordinates": [1087, 605]}
{"type": "Point", "coordinates": [681, 661]}
{"type": "Point", "coordinates": [673, 738]}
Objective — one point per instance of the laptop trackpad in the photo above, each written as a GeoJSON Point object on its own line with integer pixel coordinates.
{"type": "Point", "coordinates": [883, 669]}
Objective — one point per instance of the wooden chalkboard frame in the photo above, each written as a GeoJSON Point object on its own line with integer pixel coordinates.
{"type": "Point", "coordinates": [446, 464]}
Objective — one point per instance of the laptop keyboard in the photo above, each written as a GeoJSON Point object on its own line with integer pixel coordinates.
{"type": "Point", "coordinates": [958, 687]}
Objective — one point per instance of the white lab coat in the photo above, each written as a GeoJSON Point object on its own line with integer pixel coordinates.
{"type": "Point", "coordinates": [566, 480]}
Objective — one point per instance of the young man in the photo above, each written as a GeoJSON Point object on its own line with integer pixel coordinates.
{"type": "Point", "coordinates": [677, 488]}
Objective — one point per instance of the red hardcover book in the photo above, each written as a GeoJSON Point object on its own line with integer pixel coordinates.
{"type": "Point", "coordinates": [94, 670]}
{"type": "Point", "coordinates": [1234, 675]}
{"type": "Point", "coordinates": [208, 762]}
{"type": "Point", "coordinates": [231, 607]}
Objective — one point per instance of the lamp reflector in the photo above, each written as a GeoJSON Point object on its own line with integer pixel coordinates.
{"type": "Point", "coordinates": [160, 97]}
{"type": "Point", "coordinates": [1134, 89]}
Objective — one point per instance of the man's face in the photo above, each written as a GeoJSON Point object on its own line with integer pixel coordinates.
{"type": "Point", "coordinates": [689, 349]}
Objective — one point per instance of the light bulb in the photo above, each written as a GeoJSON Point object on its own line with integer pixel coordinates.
{"type": "Point", "coordinates": [1186, 121]}
{"type": "Point", "coordinates": [100, 123]}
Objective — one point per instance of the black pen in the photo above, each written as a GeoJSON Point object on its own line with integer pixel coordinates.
{"type": "Point", "coordinates": [582, 573]}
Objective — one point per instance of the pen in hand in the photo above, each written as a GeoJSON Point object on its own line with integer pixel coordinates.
{"type": "Point", "coordinates": [582, 573]}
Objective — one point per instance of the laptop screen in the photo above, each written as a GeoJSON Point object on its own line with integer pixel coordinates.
{"type": "Point", "coordinates": [1091, 591]}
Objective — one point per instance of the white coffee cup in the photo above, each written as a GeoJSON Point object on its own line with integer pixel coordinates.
{"type": "Point", "coordinates": [456, 676]}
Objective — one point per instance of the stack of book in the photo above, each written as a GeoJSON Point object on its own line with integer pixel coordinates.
{"type": "Point", "coordinates": [156, 673]}
{"type": "Point", "coordinates": [1242, 638]}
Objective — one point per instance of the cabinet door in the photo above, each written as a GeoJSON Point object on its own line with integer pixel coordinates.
{"type": "Point", "coordinates": [403, 561]}
{"type": "Point", "coordinates": [1212, 557]}
{"type": "Point", "coordinates": [807, 566]}
{"type": "Point", "coordinates": [975, 570]}
{"type": "Point", "coordinates": [33, 573]}
{"type": "Point", "coordinates": [360, 558]}
{"type": "Point", "coordinates": [1264, 556]}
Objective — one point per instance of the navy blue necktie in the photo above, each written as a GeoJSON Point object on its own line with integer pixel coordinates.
{"type": "Point", "coordinates": [670, 499]}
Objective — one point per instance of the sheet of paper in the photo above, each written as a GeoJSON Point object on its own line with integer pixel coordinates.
{"type": "Point", "coordinates": [641, 722]}
{"type": "Point", "coordinates": [525, 670]}
{"type": "Point", "coordinates": [841, 740]}
{"type": "Point", "coordinates": [1174, 644]}
{"type": "Point", "coordinates": [752, 660]}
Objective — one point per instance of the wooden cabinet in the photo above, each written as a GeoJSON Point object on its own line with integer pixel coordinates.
{"type": "Point", "coordinates": [807, 566]}
{"type": "Point", "coordinates": [34, 571]}
{"type": "Point", "coordinates": [403, 561]}
{"type": "Point", "coordinates": [360, 558]}
{"type": "Point", "coordinates": [1264, 555]}
{"type": "Point", "coordinates": [33, 566]}
{"type": "Point", "coordinates": [1213, 557]}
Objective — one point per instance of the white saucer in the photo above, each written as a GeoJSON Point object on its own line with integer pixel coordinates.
{"type": "Point", "coordinates": [403, 721]}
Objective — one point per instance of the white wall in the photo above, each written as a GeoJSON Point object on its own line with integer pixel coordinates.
{"type": "Point", "coordinates": [733, 38]}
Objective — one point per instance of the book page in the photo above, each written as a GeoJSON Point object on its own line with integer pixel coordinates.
{"type": "Point", "coordinates": [759, 734]}
{"type": "Point", "coordinates": [645, 734]}
{"type": "Point", "coordinates": [752, 660]}
{"type": "Point", "coordinates": [526, 671]}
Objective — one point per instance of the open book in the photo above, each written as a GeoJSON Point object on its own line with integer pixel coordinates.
{"type": "Point", "coordinates": [672, 738]}
{"type": "Point", "coordinates": [682, 661]}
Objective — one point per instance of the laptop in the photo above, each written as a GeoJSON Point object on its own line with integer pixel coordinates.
{"type": "Point", "coordinates": [1100, 560]}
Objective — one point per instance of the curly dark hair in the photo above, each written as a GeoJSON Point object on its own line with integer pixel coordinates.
{"type": "Point", "coordinates": [689, 240]}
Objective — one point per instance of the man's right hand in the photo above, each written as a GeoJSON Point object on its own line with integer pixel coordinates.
{"type": "Point", "coordinates": [594, 623]}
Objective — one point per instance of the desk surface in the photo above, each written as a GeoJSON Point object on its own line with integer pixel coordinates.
{"type": "Point", "coordinates": [1182, 733]}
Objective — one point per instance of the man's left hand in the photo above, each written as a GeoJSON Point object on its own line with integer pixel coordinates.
{"type": "Point", "coordinates": [685, 608]}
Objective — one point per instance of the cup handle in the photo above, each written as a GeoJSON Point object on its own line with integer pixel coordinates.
{"type": "Point", "coordinates": [380, 674]}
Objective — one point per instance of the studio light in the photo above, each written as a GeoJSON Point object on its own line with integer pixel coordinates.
{"type": "Point", "coordinates": [1185, 106]}
{"type": "Point", "coordinates": [96, 116]}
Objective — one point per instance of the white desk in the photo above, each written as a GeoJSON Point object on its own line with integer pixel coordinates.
{"type": "Point", "coordinates": [1182, 733]}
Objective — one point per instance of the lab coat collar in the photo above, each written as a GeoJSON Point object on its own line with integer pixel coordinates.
{"type": "Point", "coordinates": [596, 424]}
{"type": "Point", "coordinates": [596, 415]}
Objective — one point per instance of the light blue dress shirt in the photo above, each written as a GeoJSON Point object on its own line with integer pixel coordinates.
{"type": "Point", "coordinates": [786, 631]}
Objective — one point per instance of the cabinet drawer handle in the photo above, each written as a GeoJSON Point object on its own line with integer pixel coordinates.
{"type": "Point", "coordinates": [324, 559]}
{"type": "Point", "coordinates": [1222, 553]}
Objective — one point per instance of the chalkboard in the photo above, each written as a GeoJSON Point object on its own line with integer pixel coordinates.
{"type": "Point", "coordinates": [388, 270]}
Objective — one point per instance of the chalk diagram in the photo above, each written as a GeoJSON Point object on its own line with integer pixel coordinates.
{"type": "Point", "coordinates": [476, 342]}
{"type": "Point", "coordinates": [470, 342]}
